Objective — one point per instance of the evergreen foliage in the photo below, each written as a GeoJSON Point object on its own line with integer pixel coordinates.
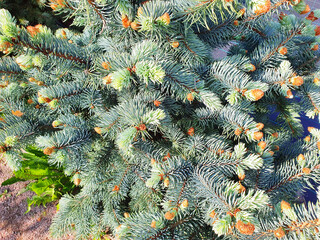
{"type": "Point", "coordinates": [29, 12]}
{"type": "Point", "coordinates": [169, 142]}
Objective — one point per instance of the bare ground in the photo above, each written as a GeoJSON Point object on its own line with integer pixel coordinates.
{"type": "Point", "coordinates": [14, 224]}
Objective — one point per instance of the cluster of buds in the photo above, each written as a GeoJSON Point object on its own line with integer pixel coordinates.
{"type": "Point", "coordinates": [245, 228]}
{"type": "Point", "coordinates": [5, 46]}
{"type": "Point", "coordinates": [301, 7]}
{"type": "Point", "coordinates": [57, 4]}
{"type": "Point", "coordinates": [34, 30]}
{"type": "Point", "coordinates": [141, 127]}
{"type": "Point", "coordinates": [53, 103]}
{"type": "Point", "coordinates": [261, 6]}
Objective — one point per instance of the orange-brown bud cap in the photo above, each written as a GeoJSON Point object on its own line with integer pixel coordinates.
{"type": "Point", "coordinates": [279, 233]}
{"type": "Point", "coordinates": [17, 113]}
{"type": "Point", "coordinates": [185, 203]}
{"type": "Point", "coordinates": [258, 135]}
{"type": "Point", "coordinates": [98, 130]}
{"type": "Point", "coordinates": [135, 26]}
{"type": "Point", "coordinates": [306, 170]}
{"type": "Point", "coordinates": [241, 177]}
{"type": "Point", "coordinates": [166, 157]}
{"type": "Point", "coordinates": [260, 126]}
{"type": "Point", "coordinates": [191, 131]}
{"type": "Point", "coordinates": [212, 214]}
{"type": "Point", "coordinates": [242, 188]}
{"type": "Point", "coordinates": [140, 11]}
{"type": "Point", "coordinates": [238, 131]}
{"type": "Point", "coordinates": [301, 157]}
{"type": "Point", "coordinates": [116, 188]}
{"type": "Point", "coordinates": [77, 181]}
{"type": "Point", "coordinates": [262, 145]}
{"type": "Point", "coordinates": [311, 17]}
{"type": "Point", "coordinates": [165, 17]}
{"type": "Point", "coordinates": [283, 50]}
{"type": "Point", "coordinates": [166, 182]}
{"type": "Point", "coordinates": [156, 103]}
{"type": "Point", "coordinates": [285, 205]}
{"type": "Point", "coordinates": [153, 224]}
{"type": "Point", "coordinates": [48, 150]}
{"type": "Point", "coordinates": [169, 215]}
{"type": "Point", "coordinates": [107, 79]}
{"type": "Point", "coordinates": [315, 47]}
{"type": "Point", "coordinates": [257, 94]}
{"type": "Point", "coordinates": [306, 10]}
{"type": "Point", "coordinates": [175, 44]}
{"type": "Point", "coordinates": [310, 129]}
{"type": "Point", "coordinates": [125, 21]}
{"type": "Point", "coordinates": [245, 228]}
{"type": "Point", "coordinates": [106, 65]}
{"type": "Point", "coordinates": [296, 81]}
{"type": "Point", "coordinates": [190, 97]}
{"type": "Point", "coordinates": [289, 94]}
{"type": "Point", "coordinates": [32, 79]}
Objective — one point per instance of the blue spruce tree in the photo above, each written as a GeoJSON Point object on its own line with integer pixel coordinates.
{"type": "Point", "coordinates": [165, 141]}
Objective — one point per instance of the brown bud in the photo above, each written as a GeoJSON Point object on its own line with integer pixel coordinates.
{"type": "Point", "coordinates": [279, 233]}
{"type": "Point", "coordinates": [107, 79]}
{"type": "Point", "coordinates": [285, 205]}
{"type": "Point", "coordinates": [169, 215]}
{"type": "Point", "coordinates": [242, 188]}
{"type": "Point", "coordinates": [310, 129]}
{"type": "Point", "coordinates": [153, 161]}
{"type": "Point", "coordinates": [48, 150]}
{"type": "Point", "coordinates": [190, 97]}
{"type": "Point", "coordinates": [245, 228]}
{"type": "Point", "coordinates": [241, 177]}
{"type": "Point", "coordinates": [175, 44]}
{"type": "Point", "coordinates": [185, 203]}
{"type": "Point", "coordinates": [257, 94]}
{"type": "Point", "coordinates": [238, 131]}
{"type": "Point", "coordinates": [156, 103]}
{"type": "Point", "coordinates": [106, 65]}
{"type": "Point", "coordinates": [306, 170]}
{"type": "Point", "coordinates": [301, 157]}
{"type": "Point", "coordinates": [98, 130]}
{"type": "Point", "coordinates": [191, 131]}
{"type": "Point", "coordinates": [296, 81]}
{"type": "Point", "coordinates": [212, 214]}
{"type": "Point", "coordinates": [77, 181]}
{"type": "Point", "coordinates": [116, 188]}
{"type": "Point", "coordinates": [135, 26]}
{"type": "Point", "coordinates": [142, 127]}
{"type": "Point", "coordinates": [166, 182]}
{"type": "Point", "coordinates": [125, 21]}
{"type": "Point", "coordinates": [153, 224]}
{"type": "Point", "coordinates": [260, 126]}
{"type": "Point", "coordinates": [258, 135]}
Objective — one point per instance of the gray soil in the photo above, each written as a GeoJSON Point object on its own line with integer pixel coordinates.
{"type": "Point", "coordinates": [14, 223]}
